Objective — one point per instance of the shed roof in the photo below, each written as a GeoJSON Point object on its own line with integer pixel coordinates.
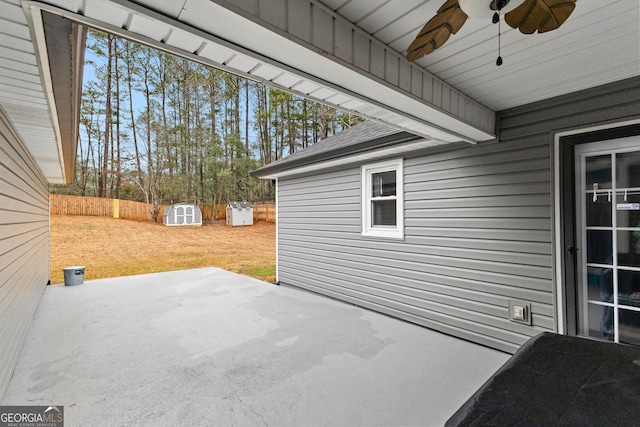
{"type": "Point", "coordinates": [365, 136]}
{"type": "Point", "coordinates": [239, 205]}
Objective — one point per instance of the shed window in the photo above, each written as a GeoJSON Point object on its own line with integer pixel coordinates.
{"type": "Point", "coordinates": [382, 199]}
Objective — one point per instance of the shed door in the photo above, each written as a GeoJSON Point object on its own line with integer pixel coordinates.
{"type": "Point", "coordinates": [179, 215]}
{"type": "Point", "coordinates": [608, 237]}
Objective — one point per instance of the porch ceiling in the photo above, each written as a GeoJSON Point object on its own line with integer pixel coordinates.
{"type": "Point", "coordinates": [345, 53]}
{"type": "Point", "coordinates": [598, 44]}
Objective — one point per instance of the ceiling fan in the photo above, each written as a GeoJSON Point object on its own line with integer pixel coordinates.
{"type": "Point", "coordinates": [528, 16]}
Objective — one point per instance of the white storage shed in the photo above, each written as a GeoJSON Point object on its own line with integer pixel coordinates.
{"type": "Point", "coordinates": [182, 214]}
{"type": "Point", "coordinates": [239, 213]}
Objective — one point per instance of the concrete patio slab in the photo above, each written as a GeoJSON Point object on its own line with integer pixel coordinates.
{"type": "Point", "coordinates": [209, 347]}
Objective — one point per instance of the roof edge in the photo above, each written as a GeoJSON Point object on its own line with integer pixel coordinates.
{"type": "Point", "coordinates": [66, 43]}
{"type": "Point", "coordinates": [369, 145]}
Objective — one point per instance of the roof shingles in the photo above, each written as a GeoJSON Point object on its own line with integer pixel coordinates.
{"type": "Point", "coordinates": [362, 137]}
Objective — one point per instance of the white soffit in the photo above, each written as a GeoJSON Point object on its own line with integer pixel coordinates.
{"type": "Point", "coordinates": [380, 153]}
{"type": "Point", "coordinates": [200, 30]}
{"type": "Point", "coordinates": [25, 92]}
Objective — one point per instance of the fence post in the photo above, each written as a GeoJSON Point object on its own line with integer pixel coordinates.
{"type": "Point", "coordinates": [116, 208]}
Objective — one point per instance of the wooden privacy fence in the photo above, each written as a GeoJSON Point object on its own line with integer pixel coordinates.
{"type": "Point", "coordinates": [127, 209]}
{"type": "Point", "coordinates": [265, 212]}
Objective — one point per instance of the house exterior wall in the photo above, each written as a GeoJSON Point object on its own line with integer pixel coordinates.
{"type": "Point", "coordinates": [24, 245]}
{"type": "Point", "coordinates": [478, 228]}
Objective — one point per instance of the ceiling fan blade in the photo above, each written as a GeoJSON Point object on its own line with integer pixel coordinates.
{"type": "Point", "coordinates": [436, 32]}
{"type": "Point", "coordinates": [540, 15]}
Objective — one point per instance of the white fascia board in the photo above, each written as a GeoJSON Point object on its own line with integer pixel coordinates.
{"type": "Point", "coordinates": [376, 154]}
{"type": "Point", "coordinates": [251, 35]}
{"type": "Point", "coordinates": [244, 36]}
{"type": "Point", "coordinates": [36, 28]}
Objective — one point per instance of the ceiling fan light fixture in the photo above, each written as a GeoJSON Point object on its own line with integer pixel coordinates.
{"type": "Point", "coordinates": [481, 9]}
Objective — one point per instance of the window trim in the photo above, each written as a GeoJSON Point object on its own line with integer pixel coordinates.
{"type": "Point", "coordinates": [368, 229]}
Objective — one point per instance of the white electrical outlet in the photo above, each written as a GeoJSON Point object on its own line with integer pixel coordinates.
{"type": "Point", "coordinates": [520, 311]}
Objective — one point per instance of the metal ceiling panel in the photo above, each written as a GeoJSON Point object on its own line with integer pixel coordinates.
{"type": "Point", "coordinates": [216, 53]}
{"type": "Point", "coordinates": [305, 87]}
{"type": "Point", "coordinates": [147, 27]}
{"type": "Point", "coordinates": [354, 104]}
{"type": "Point", "coordinates": [356, 10]}
{"type": "Point", "coordinates": [171, 8]}
{"type": "Point", "coordinates": [334, 4]}
{"type": "Point", "coordinates": [70, 5]}
{"type": "Point", "coordinates": [323, 93]}
{"type": "Point", "coordinates": [338, 99]}
{"type": "Point", "coordinates": [242, 63]}
{"type": "Point", "coordinates": [34, 126]}
{"type": "Point", "coordinates": [266, 72]}
{"type": "Point", "coordinates": [286, 80]}
{"type": "Point", "coordinates": [386, 15]}
{"type": "Point", "coordinates": [108, 12]}
{"type": "Point", "coordinates": [183, 40]}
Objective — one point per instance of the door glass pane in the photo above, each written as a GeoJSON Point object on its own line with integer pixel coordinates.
{"type": "Point", "coordinates": [628, 211]}
{"type": "Point", "coordinates": [609, 220]}
{"type": "Point", "coordinates": [628, 170]}
{"type": "Point", "coordinates": [599, 247]}
{"type": "Point", "coordinates": [600, 284]}
{"type": "Point", "coordinates": [598, 171]}
{"type": "Point", "coordinates": [598, 212]}
{"type": "Point", "coordinates": [600, 322]}
{"type": "Point", "coordinates": [629, 288]}
{"type": "Point", "coordinates": [384, 212]}
{"type": "Point", "coordinates": [384, 184]}
{"type": "Point", "coordinates": [629, 248]}
{"type": "Point", "coordinates": [629, 324]}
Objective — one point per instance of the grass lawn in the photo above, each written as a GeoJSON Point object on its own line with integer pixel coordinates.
{"type": "Point", "coordinates": [110, 247]}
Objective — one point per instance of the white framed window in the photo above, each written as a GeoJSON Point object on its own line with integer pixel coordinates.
{"type": "Point", "coordinates": [383, 199]}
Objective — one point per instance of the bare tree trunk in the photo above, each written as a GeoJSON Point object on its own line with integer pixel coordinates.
{"type": "Point", "coordinates": [246, 118]}
{"type": "Point", "coordinates": [149, 190]}
{"type": "Point", "coordinates": [134, 133]}
{"type": "Point", "coordinates": [305, 124]}
{"type": "Point", "coordinates": [118, 157]}
{"type": "Point", "coordinates": [291, 132]}
{"type": "Point", "coordinates": [102, 192]}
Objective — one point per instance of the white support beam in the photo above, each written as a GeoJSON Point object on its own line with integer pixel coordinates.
{"type": "Point", "coordinates": [311, 37]}
{"type": "Point", "coordinates": [319, 55]}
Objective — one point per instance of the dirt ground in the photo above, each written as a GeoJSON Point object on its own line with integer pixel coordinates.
{"type": "Point", "coordinates": [110, 247]}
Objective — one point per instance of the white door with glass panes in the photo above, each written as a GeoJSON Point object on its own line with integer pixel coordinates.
{"type": "Point", "coordinates": [608, 227]}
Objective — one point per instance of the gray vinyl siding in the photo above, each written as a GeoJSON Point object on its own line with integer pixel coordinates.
{"type": "Point", "coordinates": [24, 245]}
{"type": "Point", "coordinates": [477, 232]}
{"type": "Point", "coordinates": [478, 228]}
